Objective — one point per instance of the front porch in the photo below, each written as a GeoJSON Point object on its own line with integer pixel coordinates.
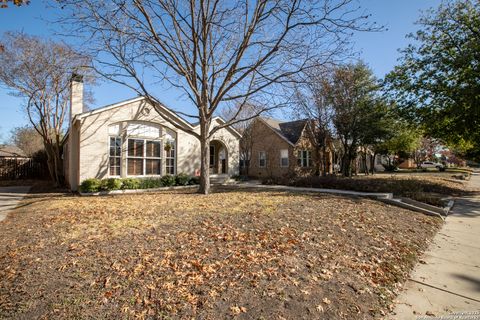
{"type": "Point", "coordinates": [218, 158]}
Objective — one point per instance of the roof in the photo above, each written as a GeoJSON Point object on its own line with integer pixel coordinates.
{"type": "Point", "coordinates": [8, 151]}
{"type": "Point", "coordinates": [169, 112]}
{"type": "Point", "coordinates": [290, 130]}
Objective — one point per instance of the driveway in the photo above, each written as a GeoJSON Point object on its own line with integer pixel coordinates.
{"type": "Point", "coordinates": [9, 198]}
{"type": "Point", "coordinates": [447, 279]}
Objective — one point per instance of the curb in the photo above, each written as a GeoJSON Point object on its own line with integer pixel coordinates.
{"type": "Point", "coordinates": [133, 191]}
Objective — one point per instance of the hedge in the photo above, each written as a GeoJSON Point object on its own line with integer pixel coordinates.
{"type": "Point", "coordinates": [96, 185]}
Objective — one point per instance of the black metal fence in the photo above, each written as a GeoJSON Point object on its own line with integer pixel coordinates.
{"type": "Point", "coordinates": [13, 169]}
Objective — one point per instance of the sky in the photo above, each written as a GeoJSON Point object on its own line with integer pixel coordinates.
{"type": "Point", "coordinates": [378, 49]}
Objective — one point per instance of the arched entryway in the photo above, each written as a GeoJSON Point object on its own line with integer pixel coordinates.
{"type": "Point", "coordinates": [218, 157]}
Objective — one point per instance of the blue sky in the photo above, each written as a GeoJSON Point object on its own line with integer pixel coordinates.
{"type": "Point", "coordinates": [378, 50]}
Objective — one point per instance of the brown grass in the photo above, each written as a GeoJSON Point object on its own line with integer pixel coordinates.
{"type": "Point", "coordinates": [182, 255]}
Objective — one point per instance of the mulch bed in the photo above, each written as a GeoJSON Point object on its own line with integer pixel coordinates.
{"type": "Point", "coordinates": [233, 254]}
{"type": "Point", "coordinates": [424, 187]}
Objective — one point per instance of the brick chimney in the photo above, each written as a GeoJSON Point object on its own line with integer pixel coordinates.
{"type": "Point", "coordinates": [76, 95]}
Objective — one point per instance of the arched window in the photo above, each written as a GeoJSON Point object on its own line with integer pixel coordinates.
{"type": "Point", "coordinates": [144, 155]}
{"type": "Point", "coordinates": [145, 130]}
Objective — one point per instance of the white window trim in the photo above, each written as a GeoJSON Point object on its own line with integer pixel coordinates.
{"type": "Point", "coordinates": [121, 151]}
{"type": "Point", "coordinates": [260, 159]}
{"type": "Point", "coordinates": [174, 143]}
{"type": "Point", "coordinates": [144, 158]}
{"type": "Point", "coordinates": [281, 158]}
{"type": "Point", "coordinates": [307, 158]}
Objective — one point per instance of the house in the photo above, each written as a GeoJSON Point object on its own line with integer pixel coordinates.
{"type": "Point", "coordinates": [12, 152]}
{"type": "Point", "coordinates": [281, 148]}
{"type": "Point", "coordinates": [134, 139]}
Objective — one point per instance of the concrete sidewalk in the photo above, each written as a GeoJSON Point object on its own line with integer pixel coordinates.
{"type": "Point", "coordinates": [448, 278]}
{"type": "Point", "coordinates": [9, 198]}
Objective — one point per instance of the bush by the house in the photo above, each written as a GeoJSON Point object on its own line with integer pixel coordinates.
{"type": "Point", "coordinates": [194, 180]}
{"type": "Point", "coordinates": [168, 180]}
{"type": "Point", "coordinates": [95, 185]}
{"type": "Point", "coordinates": [130, 183]}
{"type": "Point", "coordinates": [149, 183]}
{"type": "Point", "coordinates": [182, 179]}
{"type": "Point", "coordinates": [90, 185]}
{"type": "Point", "coordinates": [110, 184]}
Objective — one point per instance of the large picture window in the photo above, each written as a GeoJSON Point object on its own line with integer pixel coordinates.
{"type": "Point", "coordinates": [303, 158]}
{"type": "Point", "coordinates": [115, 156]}
{"type": "Point", "coordinates": [143, 157]}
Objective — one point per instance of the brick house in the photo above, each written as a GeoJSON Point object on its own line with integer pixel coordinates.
{"type": "Point", "coordinates": [281, 149]}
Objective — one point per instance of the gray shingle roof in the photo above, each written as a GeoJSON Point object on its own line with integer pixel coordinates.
{"type": "Point", "coordinates": [291, 130]}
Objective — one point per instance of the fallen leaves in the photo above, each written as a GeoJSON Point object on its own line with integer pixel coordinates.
{"type": "Point", "coordinates": [181, 255]}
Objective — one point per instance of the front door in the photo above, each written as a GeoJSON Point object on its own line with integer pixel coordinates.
{"type": "Point", "coordinates": [224, 166]}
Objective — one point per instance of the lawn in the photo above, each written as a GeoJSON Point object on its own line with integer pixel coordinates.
{"type": "Point", "coordinates": [233, 254]}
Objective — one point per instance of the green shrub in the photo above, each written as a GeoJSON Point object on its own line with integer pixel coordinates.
{"type": "Point", "coordinates": [90, 185]}
{"type": "Point", "coordinates": [168, 180]}
{"type": "Point", "coordinates": [110, 184]}
{"type": "Point", "coordinates": [194, 180]}
{"type": "Point", "coordinates": [130, 183]}
{"type": "Point", "coordinates": [182, 179]}
{"type": "Point", "coordinates": [149, 183]}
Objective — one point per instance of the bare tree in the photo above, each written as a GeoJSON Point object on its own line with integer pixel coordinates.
{"type": "Point", "coordinates": [27, 139]}
{"type": "Point", "coordinates": [39, 71]}
{"type": "Point", "coordinates": [311, 102]}
{"type": "Point", "coordinates": [218, 53]}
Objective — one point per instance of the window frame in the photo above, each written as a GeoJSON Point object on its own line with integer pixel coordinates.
{"type": "Point", "coordinates": [174, 158]}
{"type": "Point", "coordinates": [282, 165]}
{"type": "Point", "coordinates": [304, 157]}
{"type": "Point", "coordinates": [110, 137]}
{"type": "Point", "coordinates": [144, 157]}
{"type": "Point", "coordinates": [260, 159]}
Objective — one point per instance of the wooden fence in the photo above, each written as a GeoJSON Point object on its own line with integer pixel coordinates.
{"type": "Point", "coordinates": [13, 169]}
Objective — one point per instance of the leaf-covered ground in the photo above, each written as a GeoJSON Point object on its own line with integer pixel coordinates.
{"type": "Point", "coordinates": [238, 254]}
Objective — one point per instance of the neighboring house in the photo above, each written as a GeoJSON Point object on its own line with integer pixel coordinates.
{"type": "Point", "coordinates": [134, 139]}
{"type": "Point", "coordinates": [12, 152]}
{"type": "Point", "coordinates": [281, 149]}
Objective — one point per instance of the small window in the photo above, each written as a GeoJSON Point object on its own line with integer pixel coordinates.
{"type": "Point", "coordinates": [284, 158]}
{"type": "Point", "coordinates": [115, 156]}
{"type": "Point", "coordinates": [170, 157]}
{"type": "Point", "coordinates": [303, 158]}
{"type": "Point", "coordinates": [262, 159]}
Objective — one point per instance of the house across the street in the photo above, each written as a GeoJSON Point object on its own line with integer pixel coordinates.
{"type": "Point", "coordinates": [134, 139]}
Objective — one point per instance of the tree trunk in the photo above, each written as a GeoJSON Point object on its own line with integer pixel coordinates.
{"type": "Point", "coordinates": [346, 165]}
{"type": "Point", "coordinates": [372, 163]}
{"type": "Point", "coordinates": [204, 160]}
{"type": "Point", "coordinates": [55, 164]}
{"type": "Point", "coordinates": [365, 166]}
